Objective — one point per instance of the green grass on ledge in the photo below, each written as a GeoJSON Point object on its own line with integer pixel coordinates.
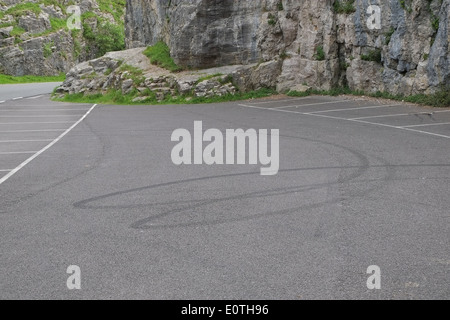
{"type": "Point", "coordinates": [159, 55]}
{"type": "Point", "coordinates": [440, 99]}
{"type": "Point", "coordinates": [116, 97]}
{"type": "Point", "coordinates": [6, 79]}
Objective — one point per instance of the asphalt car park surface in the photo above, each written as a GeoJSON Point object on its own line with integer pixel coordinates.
{"type": "Point", "coordinates": [361, 183]}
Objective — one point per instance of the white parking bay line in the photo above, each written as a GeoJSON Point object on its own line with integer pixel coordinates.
{"type": "Point", "coordinates": [17, 98]}
{"type": "Point", "coordinates": [5, 170]}
{"type": "Point", "coordinates": [35, 97]}
{"type": "Point", "coordinates": [57, 122]}
{"type": "Point", "coordinates": [41, 110]}
{"type": "Point", "coordinates": [351, 120]}
{"type": "Point", "coordinates": [312, 104]}
{"type": "Point", "coordinates": [360, 108]}
{"type": "Point", "coordinates": [401, 115]}
{"type": "Point", "coordinates": [17, 152]}
{"type": "Point", "coordinates": [46, 116]}
{"type": "Point", "coordinates": [426, 125]}
{"type": "Point", "coordinates": [38, 140]}
{"type": "Point", "coordinates": [285, 100]}
{"type": "Point", "coordinates": [37, 154]}
{"type": "Point", "coordinates": [25, 131]}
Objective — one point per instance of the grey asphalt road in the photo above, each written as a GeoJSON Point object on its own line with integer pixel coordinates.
{"type": "Point", "coordinates": [13, 91]}
{"type": "Point", "coordinates": [361, 183]}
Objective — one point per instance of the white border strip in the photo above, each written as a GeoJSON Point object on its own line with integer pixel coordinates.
{"type": "Point", "coordinates": [37, 154]}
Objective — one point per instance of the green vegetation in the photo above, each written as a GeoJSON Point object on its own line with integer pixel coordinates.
{"type": "Point", "coordinates": [114, 7]}
{"type": "Point", "coordinates": [48, 49]}
{"type": "Point", "coordinates": [388, 36]}
{"type": "Point", "coordinates": [159, 55]}
{"type": "Point", "coordinates": [320, 54]}
{"type": "Point", "coordinates": [344, 6]}
{"type": "Point", "coordinates": [105, 37]}
{"type": "Point", "coordinates": [271, 19]}
{"type": "Point", "coordinates": [373, 55]}
{"type": "Point", "coordinates": [17, 31]}
{"type": "Point", "coordinates": [440, 99]}
{"type": "Point", "coordinates": [6, 79]}
{"type": "Point", "coordinates": [405, 6]}
{"type": "Point", "coordinates": [22, 8]}
{"type": "Point", "coordinates": [116, 97]}
{"type": "Point", "coordinates": [108, 37]}
{"type": "Point", "coordinates": [280, 6]}
{"type": "Point", "coordinates": [133, 73]}
{"type": "Point", "coordinates": [208, 77]}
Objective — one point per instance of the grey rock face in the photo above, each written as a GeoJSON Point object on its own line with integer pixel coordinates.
{"type": "Point", "coordinates": [48, 55]}
{"type": "Point", "coordinates": [34, 24]}
{"type": "Point", "coordinates": [201, 33]}
{"type": "Point", "coordinates": [39, 49]}
{"type": "Point", "coordinates": [320, 47]}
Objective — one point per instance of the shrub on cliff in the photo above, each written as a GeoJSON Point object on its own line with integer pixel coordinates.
{"type": "Point", "coordinates": [159, 54]}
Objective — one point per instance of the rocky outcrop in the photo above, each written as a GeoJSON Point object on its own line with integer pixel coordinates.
{"type": "Point", "coordinates": [34, 39]}
{"type": "Point", "coordinates": [130, 72]}
{"type": "Point", "coordinates": [321, 44]}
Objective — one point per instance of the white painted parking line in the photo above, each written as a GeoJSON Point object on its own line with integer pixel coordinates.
{"type": "Point", "coordinates": [18, 98]}
{"type": "Point", "coordinates": [5, 170]}
{"type": "Point", "coordinates": [24, 131]}
{"type": "Point", "coordinates": [285, 100]}
{"type": "Point", "coordinates": [12, 141]}
{"type": "Point", "coordinates": [426, 125]}
{"type": "Point", "coordinates": [360, 108]}
{"type": "Point", "coordinates": [41, 110]}
{"type": "Point", "coordinates": [401, 115]}
{"type": "Point", "coordinates": [18, 152]}
{"type": "Point", "coordinates": [426, 132]}
{"type": "Point", "coordinates": [31, 98]}
{"type": "Point", "coordinates": [46, 116]}
{"type": "Point", "coordinates": [312, 104]}
{"type": "Point", "coordinates": [57, 122]}
{"type": "Point", "coordinates": [37, 154]}
{"type": "Point", "coordinates": [352, 120]}
{"type": "Point", "coordinates": [3, 101]}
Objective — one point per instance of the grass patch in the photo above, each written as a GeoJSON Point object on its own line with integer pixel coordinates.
{"type": "Point", "coordinates": [320, 54]}
{"type": "Point", "coordinates": [159, 55]}
{"type": "Point", "coordinates": [116, 97]}
{"type": "Point", "coordinates": [134, 73]}
{"type": "Point", "coordinates": [344, 6]}
{"type": "Point", "coordinates": [373, 55]}
{"type": "Point", "coordinates": [22, 8]}
{"type": "Point", "coordinates": [7, 79]}
{"type": "Point", "coordinates": [441, 99]}
{"type": "Point", "coordinates": [209, 77]}
{"type": "Point", "coordinates": [108, 37]}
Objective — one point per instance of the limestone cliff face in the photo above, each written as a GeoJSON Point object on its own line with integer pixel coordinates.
{"type": "Point", "coordinates": [34, 38]}
{"type": "Point", "coordinates": [313, 42]}
{"type": "Point", "coordinates": [201, 33]}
